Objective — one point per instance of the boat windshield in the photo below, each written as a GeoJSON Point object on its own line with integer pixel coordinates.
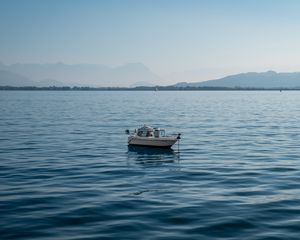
{"type": "Point", "coordinates": [162, 133]}
{"type": "Point", "coordinates": [147, 133]}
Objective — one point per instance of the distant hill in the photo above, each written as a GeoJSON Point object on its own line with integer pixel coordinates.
{"type": "Point", "coordinates": [96, 75]}
{"type": "Point", "coordinates": [270, 79]}
{"type": "Point", "coordinates": [128, 75]}
{"type": "Point", "coordinates": [8, 78]}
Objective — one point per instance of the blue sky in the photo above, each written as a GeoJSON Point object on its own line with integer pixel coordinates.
{"type": "Point", "coordinates": [210, 38]}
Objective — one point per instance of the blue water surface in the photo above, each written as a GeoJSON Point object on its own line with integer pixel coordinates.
{"type": "Point", "coordinates": [66, 171]}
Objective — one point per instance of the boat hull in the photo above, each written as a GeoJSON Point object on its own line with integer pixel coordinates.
{"type": "Point", "coordinates": [165, 142]}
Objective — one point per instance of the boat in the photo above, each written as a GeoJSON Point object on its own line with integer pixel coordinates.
{"type": "Point", "coordinates": [151, 137]}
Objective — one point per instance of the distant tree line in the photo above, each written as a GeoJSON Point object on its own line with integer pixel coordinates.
{"type": "Point", "coordinates": [156, 88]}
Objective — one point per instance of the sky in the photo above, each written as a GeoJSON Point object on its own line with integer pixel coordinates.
{"type": "Point", "coordinates": [202, 39]}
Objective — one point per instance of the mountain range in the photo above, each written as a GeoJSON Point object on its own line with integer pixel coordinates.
{"type": "Point", "coordinates": [269, 79]}
{"type": "Point", "coordinates": [128, 75]}
{"type": "Point", "coordinates": [60, 74]}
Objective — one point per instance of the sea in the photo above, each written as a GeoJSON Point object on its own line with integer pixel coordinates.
{"type": "Point", "coordinates": [66, 171]}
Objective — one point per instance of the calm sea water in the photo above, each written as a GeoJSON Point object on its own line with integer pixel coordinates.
{"type": "Point", "coordinates": [66, 171]}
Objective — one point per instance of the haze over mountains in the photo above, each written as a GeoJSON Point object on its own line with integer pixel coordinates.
{"type": "Point", "coordinates": [128, 75]}
{"type": "Point", "coordinates": [60, 74]}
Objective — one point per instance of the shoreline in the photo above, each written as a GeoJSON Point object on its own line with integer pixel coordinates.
{"type": "Point", "coordinates": [158, 88]}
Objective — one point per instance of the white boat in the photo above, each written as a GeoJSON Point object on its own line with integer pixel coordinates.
{"type": "Point", "coordinates": [151, 137]}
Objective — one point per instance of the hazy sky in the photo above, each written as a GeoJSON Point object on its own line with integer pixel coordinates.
{"type": "Point", "coordinates": [211, 38]}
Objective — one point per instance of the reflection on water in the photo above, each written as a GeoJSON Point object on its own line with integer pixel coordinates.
{"type": "Point", "coordinates": [153, 156]}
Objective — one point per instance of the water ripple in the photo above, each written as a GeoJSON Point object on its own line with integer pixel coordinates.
{"type": "Point", "coordinates": [67, 173]}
